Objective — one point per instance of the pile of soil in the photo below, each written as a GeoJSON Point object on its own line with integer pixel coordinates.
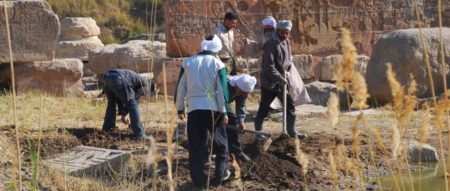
{"type": "Point", "coordinates": [276, 167]}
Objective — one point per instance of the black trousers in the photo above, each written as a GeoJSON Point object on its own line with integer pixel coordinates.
{"type": "Point", "coordinates": [267, 97]}
{"type": "Point", "coordinates": [234, 144]}
{"type": "Point", "coordinates": [200, 124]}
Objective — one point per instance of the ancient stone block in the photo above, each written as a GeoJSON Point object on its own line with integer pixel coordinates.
{"type": "Point", "coordinates": [89, 161]}
{"type": "Point", "coordinates": [78, 27]}
{"type": "Point", "coordinates": [59, 76]}
{"type": "Point", "coordinates": [316, 23]}
{"type": "Point", "coordinates": [172, 72]}
{"type": "Point", "coordinates": [304, 65]}
{"type": "Point", "coordinates": [137, 55]}
{"type": "Point", "coordinates": [34, 31]}
{"type": "Point", "coordinates": [327, 64]}
{"type": "Point", "coordinates": [80, 48]}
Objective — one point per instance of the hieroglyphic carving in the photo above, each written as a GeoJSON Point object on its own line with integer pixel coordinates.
{"type": "Point", "coordinates": [34, 31]}
{"type": "Point", "coordinates": [89, 161]}
{"type": "Point", "coordinates": [316, 22]}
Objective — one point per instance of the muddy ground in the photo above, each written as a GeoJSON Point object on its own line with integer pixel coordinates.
{"type": "Point", "coordinates": [276, 169]}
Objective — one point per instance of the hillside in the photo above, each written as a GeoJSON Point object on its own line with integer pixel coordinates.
{"type": "Point", "coordinates": [118, 19]}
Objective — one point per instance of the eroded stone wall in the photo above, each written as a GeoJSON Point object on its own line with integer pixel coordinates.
{"type": "Point", "coordinates": [316, 22]}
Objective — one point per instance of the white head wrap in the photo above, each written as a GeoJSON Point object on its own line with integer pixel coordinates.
{"type": "Point", "coordinates": [244, 82]}
{"type": "Point", "coordinates": [214, 45]}
{"type": "Point", "coordinates": [270, 21]}
{"type": "Point", "coordinates": [284, 24]}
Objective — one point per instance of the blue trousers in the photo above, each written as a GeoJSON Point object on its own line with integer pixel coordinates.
{"type": "Point", "coordinates": [117, 96]}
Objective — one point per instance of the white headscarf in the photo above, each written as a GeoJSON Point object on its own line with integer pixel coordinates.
{"type": "Point", "coordinates": [270, 21]}
{"type": "Point", "coordinates": [284, 24]}
{"type": "Point", "coordinates": [244, 82]}
{"type": "Point", "coordinates": [214, 45]}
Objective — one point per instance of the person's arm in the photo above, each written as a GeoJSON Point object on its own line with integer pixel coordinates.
{"type": "Point", "coordinates": [141, 87]}
{"type": "Point", "coordinates": [222, 91]}
{"type": "Point", "coordinates": [123, 111]}
{"type": "Point", "coordinates": [252, 48]}
{"type": "Point", "coordinates": [269, 61]}
{"type": "Point", "coordinates": [240, 108]}
{"type": "Point", "coordinates": [180, 94]}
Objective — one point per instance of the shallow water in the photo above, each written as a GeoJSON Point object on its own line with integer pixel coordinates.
{"type": "Point", "coordinates": [430, 178]}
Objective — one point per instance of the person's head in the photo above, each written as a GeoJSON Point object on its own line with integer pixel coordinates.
{"type": "Point", "coordinates": [243, 84]}
{"type": "Point", "coordinates": [230, 20]}
{"type": "Point", "coordinates": [283, 29]}
{"type": "Point", "coordinates": [211, 43]}
{"type": "Point", "coordinates": [269, 23]}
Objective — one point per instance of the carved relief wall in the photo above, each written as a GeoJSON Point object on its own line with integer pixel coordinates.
{"type": "Point", "coordinates": [316, 22]}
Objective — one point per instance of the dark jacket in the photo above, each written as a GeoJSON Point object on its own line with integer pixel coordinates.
{"type": "Point", "coordinates": [276, 60]}
{"type": "Point", "coordinates": [135, 85]}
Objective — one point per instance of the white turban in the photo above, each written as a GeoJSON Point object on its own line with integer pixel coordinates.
{"type": "Point", "coordinates": [244, 82]}
{"type": "Point", "coordinates": [214, 45]}
{"type": "Point", "coordinates": [270, 21]}
{"type": "Point", "coordinates": [284, 24]}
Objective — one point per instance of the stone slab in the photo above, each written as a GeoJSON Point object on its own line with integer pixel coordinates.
{"type": "Point", "coordinates": [34, 30]}
{"type": "Point", "coordinates": [89, 161]}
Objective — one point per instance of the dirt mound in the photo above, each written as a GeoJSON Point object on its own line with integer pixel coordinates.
{"type": "Point", "coordinates": [97, 138]}
{"type": "Point", "coordinates": [49, 145]}
{"type": "Point", "coordinates": [277, 167]}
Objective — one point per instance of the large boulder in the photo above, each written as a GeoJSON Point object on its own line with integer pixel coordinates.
{"type": "Point", "coordinates": [59, 76]}
{"type": "Point", "coordinates": [421, 152]}
{"type": "Point", "coordinates": [327, 64]}
{"type": "Point", "coordinates": [34, 31]}
{"type": "Point", "coordinates": [136, 55]}
{"type": "Point", "coordinates": [316, 24]}
{"type": "Point", "coordinates": [404, 51]}
{"type": "Point", "coordinates": [78, 27]}
{"type": "Point", "coordinates": [79, 48]}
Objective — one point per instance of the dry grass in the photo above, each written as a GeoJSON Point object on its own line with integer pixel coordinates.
{"type": "Point", "coordinates": [72, 111]}
{"type": "Point", "coordinates": [333, 110]}
{"type": "Point", "coordinates": [301, 157]}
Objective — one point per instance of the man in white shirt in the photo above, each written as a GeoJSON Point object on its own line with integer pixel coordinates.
{"type": "Point", "coordinates": [202, 86]}
{"type": "Point", "coordinates": [225, 32]}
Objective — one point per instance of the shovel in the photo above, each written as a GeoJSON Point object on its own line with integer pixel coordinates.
{"type": "Point", "coordinates": [266, 143]}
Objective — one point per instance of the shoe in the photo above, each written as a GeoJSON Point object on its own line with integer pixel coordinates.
{"type": "Point", "coordinates": [299, 135]}
{"type": "Point", "coordinates": [144, 138]}
{"type": "Point", "coordinates": [218, 181]}
{"type": "Point", "coordinates": [243, 157]}
{"type": "Point", "coordinates": [260, 137]}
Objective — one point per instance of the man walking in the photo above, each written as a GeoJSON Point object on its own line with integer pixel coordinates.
{"type": "Point", "coordinates": [225, 32]}
{"type": "Point", "coordinates": [256, 47]}
{"type": "Point", "coordinates": [202, 86]}
{"type": "Point", "coordinates": [238, 88]}
{"type": "Point", "coordinates": [276, 62]}
{"type": "Point", "coordinates": [124, 88]}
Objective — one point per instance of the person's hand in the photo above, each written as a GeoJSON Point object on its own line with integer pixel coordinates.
{"type": "Point", "coordinates": [125, 120]}
{"type": "Point", "coordinates": [241, 126]}
{"type": "Point", "coordinates": [246, 41]}
{"type": "Point", "coordinates": [181, 116]}
{"type": "Point", "coordinates": [225, 120]}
